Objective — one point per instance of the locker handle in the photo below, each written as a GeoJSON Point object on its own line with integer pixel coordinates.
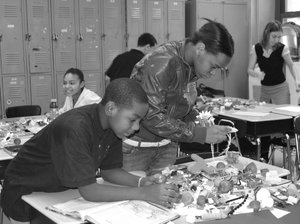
{"type": "Point", "coordinates": [1, 37]}
{"type": "Point", "coordinates": [80, 37]}
{"type": "Point", "coordinates": [103, 36]}
{"type": "Point", "coordinates": [28, 37]}
{"type": "Point", "coordinates": [168, 36]}
{"type": "Point", "coordinates": [54, 37]}
{"type": "Point", "coordinates": [126, 36]}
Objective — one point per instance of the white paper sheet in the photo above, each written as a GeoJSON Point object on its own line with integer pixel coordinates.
{"type": "Point", "coordinates": [289, 108]}
{"type": "Point", "coordinates": [278, 213]}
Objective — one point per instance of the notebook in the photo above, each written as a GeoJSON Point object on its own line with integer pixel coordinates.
{"type": "Point", "coordinates": [138, 212]}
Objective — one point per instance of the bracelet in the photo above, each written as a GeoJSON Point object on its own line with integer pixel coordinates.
{"type": "Point", "coordinates": [139, 182]}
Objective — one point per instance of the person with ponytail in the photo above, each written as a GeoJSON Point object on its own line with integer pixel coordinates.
{"type": "Point", "coordinates": [168, 76]}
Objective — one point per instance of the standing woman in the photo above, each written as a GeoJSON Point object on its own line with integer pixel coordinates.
{"type": "Point", "coordinates": [271, 55]}
{"type": "Point", "coordinates": [76, 93]}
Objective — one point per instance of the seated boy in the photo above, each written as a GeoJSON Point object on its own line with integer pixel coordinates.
{"type": "Point", "coordinates": [68, 152]}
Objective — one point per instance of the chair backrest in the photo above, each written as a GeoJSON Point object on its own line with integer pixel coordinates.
{"type": "Point", "coordinates": [23, 111]}
{"type": "Point", "coordinates": [297, 125]}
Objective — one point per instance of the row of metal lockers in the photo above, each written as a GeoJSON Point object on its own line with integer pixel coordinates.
{"type": "Point", "coordinates": [41, 39]}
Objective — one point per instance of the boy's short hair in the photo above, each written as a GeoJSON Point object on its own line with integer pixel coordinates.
{"type": "Point", "coordinates": [146, 38]}
{"type": "Point", "coordinates": [123, 92]}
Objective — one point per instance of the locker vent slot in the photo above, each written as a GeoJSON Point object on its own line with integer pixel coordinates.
{"type": "Point", "coordinates": [66, 57]}
{"type": "Point", "coordinates": [88, 13]}
{"type": "Point", "coordinates": [14, 91]}
{"type": "Point", "coordinates": [156, 13]}
{"type": "Point", "coordinates": [12, 58]}
{"type": "Point", "coordinates": [64, 12]}
{"type": "Point", "coordinates": [38, 11]}
{"type": "Point", "coordinates": [90, 56]}
{"type": "Point", "coordinates": [41, 90]}
{"type": "Point", "coordinates": [135, 13]}
{"type": "Point", "coordinates": [41, 58]}
{"type": "Point", "coordinates": [175, 15]}
{"type": "Point", "coordinates": [10, 11]}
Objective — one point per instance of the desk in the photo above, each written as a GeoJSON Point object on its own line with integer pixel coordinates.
{"type": "Point", "coordinates": [39, 201]}
{"type": "Point", "coordinates": [259, 126]}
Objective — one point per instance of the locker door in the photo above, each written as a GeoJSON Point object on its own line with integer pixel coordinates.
{"type": "Point", "coordinates": [176, 20]}
{"type": "Point", "coordinates": [91, 81]}
{"type": "Point", "coordinates": [14, 92]}
{"type": "Point", "coordinates": [64, 34]}
{"type": "Point", "coordinates": [38, 36]}
{"type": "Point", "coordinates": [235, 20]}
{"type": "Point", "coordinates": [210, 10]}
{"type": "Point", "coordinates": [213, 11]}
{"type": "Point", "coordinates": [88, 35]}
{"type": "Point", "coordinates": [12, 51]}
{"type": "Point", "coordinates": [113, 30]}
{"type": "Point", "coordinates": [156, 20]}
{"type": "Point", "coordinates": [41, 91]}
{"type": "Point", "coordinates": [135, 21]}
{"type": "Point", "coordinates": [59, 85]}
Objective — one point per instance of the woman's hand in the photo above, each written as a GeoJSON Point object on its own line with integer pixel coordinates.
{"type": "Point", "coordinates": [162, 194]}
{"type": "Point", "coordinates": [261, 75]}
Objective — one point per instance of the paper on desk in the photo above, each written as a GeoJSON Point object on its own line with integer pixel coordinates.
{"type": "Point", "coordinates": [35, 129]}
{"type": "Point", "coordinates": [278, 213]}
{"type": "Point", "coordinates": [289, 108]}
{"type": "Point", "coordinates": [249, 113]}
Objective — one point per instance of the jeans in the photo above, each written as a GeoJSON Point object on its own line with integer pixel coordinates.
{"type": "Point", "coordinates": [149, 159]}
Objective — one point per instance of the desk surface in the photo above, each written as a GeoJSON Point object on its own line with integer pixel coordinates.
{"type": "Point", "coordinates": [39, 201]}
{"type": "Point", "coordinates": [263, 114]}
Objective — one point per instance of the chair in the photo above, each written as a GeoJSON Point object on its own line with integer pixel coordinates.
{"type": "Point", "coordinates": [297, 135]}
{"type": "Point", "coordinates": [23, 111]}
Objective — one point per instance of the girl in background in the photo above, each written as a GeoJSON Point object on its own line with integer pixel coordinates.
{"type": "Point", "coordinates": [270, 55]}
{"type": "Point", "coordinates": [76, 93]}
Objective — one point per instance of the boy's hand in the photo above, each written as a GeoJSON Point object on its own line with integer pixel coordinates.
{"type": "Point", "coordinates": [162, 194]}
{"type": "Point", "coordinates": [154, 179]}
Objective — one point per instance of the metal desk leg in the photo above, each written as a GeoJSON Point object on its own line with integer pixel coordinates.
{"type": "Point", "coordinates": [288, 149]}
{"type": "Point", "coordinates": [297, 161]}
{"type": "Point", "coordinates": [258, 144]}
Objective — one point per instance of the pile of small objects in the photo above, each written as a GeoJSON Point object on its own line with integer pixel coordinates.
{"type": "Point", "coordinates": [224, 188]}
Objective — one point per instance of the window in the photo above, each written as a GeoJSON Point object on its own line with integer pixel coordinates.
{"type": "Point", "coordinates": [292, 5]}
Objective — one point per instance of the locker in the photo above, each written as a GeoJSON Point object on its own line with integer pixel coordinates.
{"type": "Point", "coordinates": [41, 91]}
{"type": "Point", "coordinates": [135, 21]}
{"type": "Point", "coordinates": [88, 35]}
{"type": "Point", "coordinates": [176, 20]}
{"type": "Point", "coordinates": [59, 85]}
{"type": "Point", "coordinates": [92, 82]}
{"type": "Point", "coordinates": [11, 40]}
{"type": "Point", "coordinates": [156, 20]}
{"type": "Point", "coordinates": [64, 45]}
{"type": "Point", "coordinates": [14, 91]}
{"type": "Point", "coordinates": [38, 36]}
{"type": "Point", "coordinates": [113, 30]}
